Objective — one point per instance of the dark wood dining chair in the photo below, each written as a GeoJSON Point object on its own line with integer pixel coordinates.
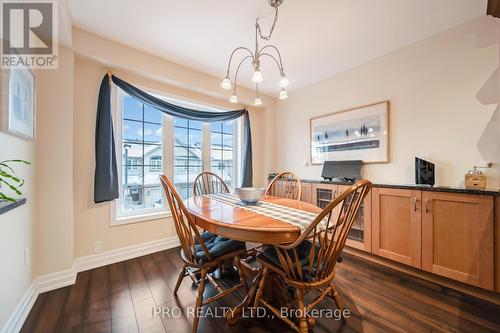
{"type": "Point", "coordinates": [209, 183]}
{"type": "Point", "coordinates": [309, 263]}
{"type": "Point", "coordinates": [201, 253]}
{"type": "Point", "coordinates": [285, 185]}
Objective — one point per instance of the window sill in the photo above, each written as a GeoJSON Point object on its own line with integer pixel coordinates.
{"type": "Point", "coordinates": [118, 221]}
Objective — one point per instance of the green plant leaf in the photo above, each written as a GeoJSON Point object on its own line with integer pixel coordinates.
{"type": "Point", "coordinates": [12, 187]}
{"type": "Point", "coordinates": [6, 198]}
{"type": "Point", "coordinates": [17, 161]}
{"type": "Point", "coordinates": [7, 175]}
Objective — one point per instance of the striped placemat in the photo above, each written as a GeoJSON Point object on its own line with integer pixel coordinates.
{"type": "Point", "coordinates": [297, 217]}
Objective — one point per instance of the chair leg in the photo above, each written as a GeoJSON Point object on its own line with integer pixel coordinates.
{"type": "Point", "coordinates": [199, 299]}
{"type": "Point", "coordinates": [304, 328]}
{"type": "Point", "coordinates": [338, 301]}
{"type": "Point", "coordinates": [179, 279]}
{"type": "Point", "coordinates": [262, 285]}
{"type": "Point", "coordinates": [241, 273]}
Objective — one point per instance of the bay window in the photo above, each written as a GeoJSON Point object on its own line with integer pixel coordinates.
{"type": "Point", "coordinates": [153, 144]}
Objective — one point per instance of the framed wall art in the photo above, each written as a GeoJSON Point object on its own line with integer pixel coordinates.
{"type": "Point", "coordinates": [17, 89]}
{"type": "Point", "coordinates": [360, 133]}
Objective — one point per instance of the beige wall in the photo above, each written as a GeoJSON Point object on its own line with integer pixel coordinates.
{"type": "Point", "coordinates": [54, 167]}
{"type": "Point", "coordinates": [91, 220]}
{"type": "Point", "coordinates": [432, 86]}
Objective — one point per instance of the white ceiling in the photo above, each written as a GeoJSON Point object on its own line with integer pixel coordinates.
{"type": "Point", "coordinates": [317, 38]}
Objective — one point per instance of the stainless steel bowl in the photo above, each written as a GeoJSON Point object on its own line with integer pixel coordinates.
{"type": "Point", "coordinates": [249, 195]}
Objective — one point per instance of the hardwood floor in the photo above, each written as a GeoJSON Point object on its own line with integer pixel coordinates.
{"type": "Point", "coordinates": [122, 296]}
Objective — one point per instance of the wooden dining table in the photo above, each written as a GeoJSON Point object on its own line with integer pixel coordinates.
{"type": "Point", "coordinates": [237, 223]}
{"type": "Point", "coordinates": [240, 224]}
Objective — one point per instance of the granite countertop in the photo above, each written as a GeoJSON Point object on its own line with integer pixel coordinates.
{"type": "Point", "coordinates": [6, 206]}
{"type": "Point", "coordinates": [451, 189]}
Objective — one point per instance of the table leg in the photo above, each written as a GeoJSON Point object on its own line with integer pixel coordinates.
{"type": "Point", "coordinates": [235, 314]}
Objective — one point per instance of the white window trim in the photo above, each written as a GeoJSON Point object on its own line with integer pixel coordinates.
{"type": "Point", "coordinates": [168, 154]}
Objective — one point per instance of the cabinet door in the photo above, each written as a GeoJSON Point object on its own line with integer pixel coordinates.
{"type": "Point", "coordinates": [396, 225]}
{"type": "Point", "coordinates": [323, 194]}
{"type": "Point", "coordinates": [360, 235]}
{"type": "Point", "coordinates": [457, 237]}
{"type": "Point", "coordinates": [306, 192]}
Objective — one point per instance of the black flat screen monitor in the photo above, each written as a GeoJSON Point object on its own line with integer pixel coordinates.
{"type": "Point", "coordinates": [424, 172]}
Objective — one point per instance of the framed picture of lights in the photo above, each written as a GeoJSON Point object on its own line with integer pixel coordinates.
{"type": "Point", "coordinates": [360, 133]}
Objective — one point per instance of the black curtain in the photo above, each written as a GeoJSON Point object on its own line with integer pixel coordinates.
{"type": "Point", "coordinates": [106, 173]}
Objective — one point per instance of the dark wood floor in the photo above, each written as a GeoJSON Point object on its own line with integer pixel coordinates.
{"type": "Point", "coordinates": [120, 298]}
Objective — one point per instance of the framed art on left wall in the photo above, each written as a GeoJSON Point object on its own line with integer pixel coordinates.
{"type": "Point", "coordinates": [17, 92]}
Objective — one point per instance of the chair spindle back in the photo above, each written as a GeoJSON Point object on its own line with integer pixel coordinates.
{"type": "Point", "coordinates": [285, 185]}
{"type": "Point", "coordinates": [185, 227]}
{"type": "Point", "coordinates": [326, 242]}
{"type": "Point", "coordinates": [209, 183]}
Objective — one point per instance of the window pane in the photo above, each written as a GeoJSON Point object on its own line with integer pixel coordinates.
{"type": "Point", "coordinates": [216, 140]}
{"type": "Point", "coordinates": [152, 133]}
{"type": "Point", "coordinates": [180, 154]}
{"type": "Point", "coordinates": [194, 138]}
{"type": "Point", "coordinates": [132, 154]}
{"type": "Point", "coordinates": [195, 124]}
{"type": "Point", "coordinates": [137, 197]}
{"type": "Point", "coordinates": [180, 122]}
{"type": "Point", "coordinates": [228, 127]}
{"type": "Point", "coordinates": [187, 156]}
{"type": "Point", "coordinates": [153, 197]}
{"type": "Point", "coordinates": [153, 164]}
{"type": "Point", "coordinates": [227, 141]}
{"type": "Point", "coordinates": [181, 136]}
{"type": "Point", "coordinates": [131, 175]}
{"type": "Point", "coordinates": [216, 127]}
{"type": "Point", "coordinates": [180, 175]}
{"type": "Point", "coordinates": [222, 151]}
{"type": "Point", "coordinates": [152, 115]}
{"type": "Point", "coordinates": [152, 175]}
{"type": "Point", "coordinates": [132, 108]}
{"type": "Point", "coordinates": [132, 198]}
{"type": "Point", "coordinates": [132, 131]}
{"type": "Point", "coordinates": [142, 160]}
{"type": "Point", "coordinates": [195, 154]}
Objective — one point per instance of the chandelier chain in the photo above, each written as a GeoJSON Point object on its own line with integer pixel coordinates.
{"type": "Point", "coordinates": [268, 37]}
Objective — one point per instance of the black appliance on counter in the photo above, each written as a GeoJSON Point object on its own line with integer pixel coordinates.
{"type": "Point", "coordinates": [424, 172]}
{"type": "Point", "coordinates": [342, 171]}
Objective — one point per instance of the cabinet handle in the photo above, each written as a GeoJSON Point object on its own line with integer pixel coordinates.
{"type": "Point", "coordinates": [427, 209]}
{"type": "Point", "coordinates": [415, 203]}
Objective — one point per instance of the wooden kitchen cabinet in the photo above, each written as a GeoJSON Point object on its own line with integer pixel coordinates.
{"type": "Point", "coordinates": [454, 235]}
{"type": "Point", "coordinates": [360, 234]}
{"type": "Point", "coordinates": [307, 193]}
{"type": "Point", "coordinates": [457, 237]}
{"type": "Point", "coordinates": [397, 225]}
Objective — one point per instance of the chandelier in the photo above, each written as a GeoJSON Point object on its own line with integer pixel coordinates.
{"type": "Point", "coordinates": [256, 57]}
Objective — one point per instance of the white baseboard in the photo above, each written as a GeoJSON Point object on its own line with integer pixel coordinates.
{"type": "Point", "coordinates": [124, 253]}
{"type": "Point", "coordinates": [21, 311]}
{"type": "Point", "coordinates": [67, 277]}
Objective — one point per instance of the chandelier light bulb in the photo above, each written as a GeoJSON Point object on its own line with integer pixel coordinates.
{"type": "Point", "coordinates": [283, 94]}
{"type": "Point", "coordinates": [226, 83]}
{"type": "Point", "coordinates": [257, 101]}
{"type": "Point", "coordinates": [257, 77]}
{"type": "Point", "coordinates": [233, 99]}
{"type": "Point", "coordinates": [284, 81]}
